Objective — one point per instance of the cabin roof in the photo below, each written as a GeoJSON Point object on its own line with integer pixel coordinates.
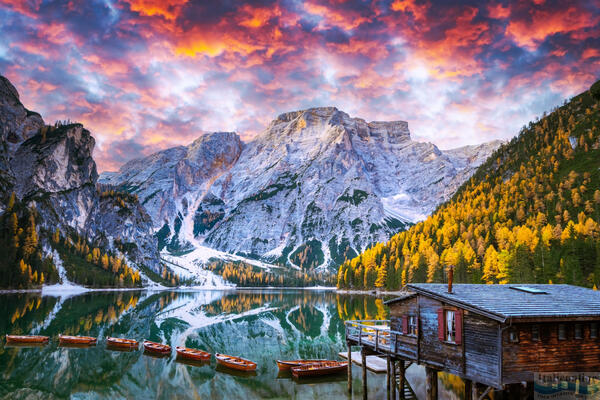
{"type": "Point", "coordinates": [516, 301]}
{"type": "Point", "coordinates": [400, 297]}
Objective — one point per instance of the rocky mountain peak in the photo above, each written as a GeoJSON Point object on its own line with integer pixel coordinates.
{"type": "Point", "coordinates": [55, 160]}
{"type": "Point", "coordinates": [52, 169]}
{"type": "Point", "coordinates": [328, 122]}
{"type": "Point", "coordinates": [7, 91]}
{"type": "Point", "coordinates": [16, 122]}
{"type": "Point", "coordinates": [319, 112]}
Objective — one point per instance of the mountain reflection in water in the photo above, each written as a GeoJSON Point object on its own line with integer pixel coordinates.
{"type": "Point", "coordinates": [260, 325]}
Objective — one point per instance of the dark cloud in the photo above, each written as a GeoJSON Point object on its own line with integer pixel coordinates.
{"type": "Point", "coordinates": [143, 75]}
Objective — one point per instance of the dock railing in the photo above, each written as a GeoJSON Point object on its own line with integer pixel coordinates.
{"type": "Point", "coordinates": [374, 333]}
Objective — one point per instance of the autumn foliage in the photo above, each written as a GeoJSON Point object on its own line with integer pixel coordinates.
{"type": "Point", "coordinates": [529, 214]}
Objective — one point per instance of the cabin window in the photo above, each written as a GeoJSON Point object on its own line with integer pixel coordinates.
{"type": "Point", "coordinates": [535, 333]}
{"type": "Point", "coordinates": [594, 330]}
{"type": "Point", "coordinates": [450, 326]}
{"type": "Point", "coordinates": [513, 336]}
{"type": "Point", "coordinates": [562, 332]}
{"type": "Point", "coordinates": [578, 331]}
{"type": "Point", "coordinates": [412, 325]}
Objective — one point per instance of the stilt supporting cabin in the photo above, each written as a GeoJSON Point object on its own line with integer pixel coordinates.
{"type": "Point", "coordinates": [492, 336]}
{"type": "Point", "coordinates": [393, 379]}
{"type": "Point", "coordinates": [363, 354]}
{"type": "Point", "coordinates": [389, 377]}
{"type": "Point", "coordinates": [469, 389]}
{"type": "Point", "coordinates": [350, 369]}
{"type": "Point", "coordinates": [431, 383]}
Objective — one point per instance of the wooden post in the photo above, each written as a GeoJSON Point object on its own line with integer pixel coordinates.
{"type": "Point", "coordinates": [389, 377]}
{"type": "Point", "coordinates": [402, 382]}
{"type": "Point", "coordinates": [363, 355]}
{"type": "Point", "coordinates": [431, 385]}
{"type": "Point", "coordinates": [349, 368]}
{"type": "Point", "coordinates": [393, 380]}
{"type": "Point", "coordinates": [469, 389]}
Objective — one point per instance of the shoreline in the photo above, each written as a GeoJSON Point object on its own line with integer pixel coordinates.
{"type": "Point", "coordinates": [58, 290]}
{"type": "Point", "coordinates": [54, 290]}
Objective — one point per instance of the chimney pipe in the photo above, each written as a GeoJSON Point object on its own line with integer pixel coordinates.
{"type": "Point", "coordinates": [450, 277]}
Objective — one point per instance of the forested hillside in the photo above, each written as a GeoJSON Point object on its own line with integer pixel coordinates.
{"type": "Point", "coordinates": [530, 213]}
{"type": "Point", "coordinates": [28, 254]}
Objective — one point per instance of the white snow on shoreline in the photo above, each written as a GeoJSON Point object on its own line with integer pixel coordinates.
{"type": "Point", "coordinates": [63, 289]}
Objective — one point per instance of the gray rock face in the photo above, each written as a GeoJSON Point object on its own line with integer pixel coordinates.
{"type": "Point", "coordinates": [52, 169]}
{"type": "Point", "coordinates": [315, 187]}
{"type": "Point", "coordinates": [55, 161]}
{"type": "Point", "coordinates": [16, 125]}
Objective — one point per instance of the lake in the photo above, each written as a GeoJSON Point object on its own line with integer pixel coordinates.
{"type": "Point", "coordinates": [261, 325]}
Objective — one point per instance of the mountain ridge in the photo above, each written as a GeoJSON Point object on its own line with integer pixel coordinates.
{"type": "Point", "coordinates": [51, 207]}
{"type": "Point", "coordinates": [529, 214]}
{"type": "Point", "coordinates": [257, 204]}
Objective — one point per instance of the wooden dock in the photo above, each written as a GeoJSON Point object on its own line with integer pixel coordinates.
{"type": "Point", "coordinates": [374, 363]}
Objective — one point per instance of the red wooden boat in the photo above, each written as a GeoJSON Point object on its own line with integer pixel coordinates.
{"type": "Point", "coordinates": [319, 369]}
{"type": "Point", "coordinates": [235, 362]}
{"type": "Point", "coordinates": [285, 365]}
{"type": "Point", "coordinates": [79, 340]}
{"type": "Point", "coordinates": [26, 339]}
{"type": "Point", "coordinates": [122, 343]}
{"type": "Point", "coordinates": [192, 354]}
{"type": "Point", "coordinates": [157, 348]}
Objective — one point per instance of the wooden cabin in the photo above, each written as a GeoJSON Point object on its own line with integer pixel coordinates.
{"type": "Point", "coordinates": [497, 335]}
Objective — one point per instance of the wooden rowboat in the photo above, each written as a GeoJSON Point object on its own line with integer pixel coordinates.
{"type": "Point", "coordinates": [26, 339]}
{"type": "Point", "coordinates": [319, 369]}
{"type": "Point", "coordinates": [235, 362]}
{"type": "Point", "coordinates": [285, 365]}
{"type": "Point", "coordinates": [192, 354]}
{"type": "Point", "coordinates": [78, 340]}
{"type": "Point", "coordinates": [122, 343]}
{"type": "Point", "coordinates": [157, 348]}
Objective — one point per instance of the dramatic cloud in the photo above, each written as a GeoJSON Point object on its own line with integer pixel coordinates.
{"type": "Point", "coordinates": [144, 75]}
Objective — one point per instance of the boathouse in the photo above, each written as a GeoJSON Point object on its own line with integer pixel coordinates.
{"type": "Point", "coordinates": [492, 336]}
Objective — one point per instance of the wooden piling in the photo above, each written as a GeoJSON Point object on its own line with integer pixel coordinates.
{"type": "Point", "coordinates": [364, 372]}
{"type": "Point", "coordinates": [469, 389]}
{"type": "Point", "coordinates": [393, 380]}
{"type": "Point", "coordinates": [389, 377]}
{"type": "Point", "coordinates": [402, 380]}
{"type": "Point", "coordinates": [431, 383]}
{"type": "Point", "coordinates": [349, 369]}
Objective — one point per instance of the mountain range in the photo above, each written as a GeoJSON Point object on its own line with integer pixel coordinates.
{"type": "Point", "coordinates": [314, 188]}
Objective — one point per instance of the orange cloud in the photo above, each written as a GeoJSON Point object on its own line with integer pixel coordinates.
{"type": "Point", "coordinates": [419, 11]}
{"type": "Point", "coordinates": [540, 24]}
{"type": "Point", "coordinates": [590, 52]}
{"type": "Point", "coordinates": [168, 9]}
{"type": "Point", "coordinates": [498, 11]}
{"type": "Point", "coordinates": [257, 17]}
{"type": "Point", "coordinates": [337, 16]}
{"type": "Point", "coordinates": [28, 8]}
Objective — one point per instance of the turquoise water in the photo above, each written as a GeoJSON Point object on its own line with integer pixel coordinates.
{"type": "Point", "coordinates": [258, 325]}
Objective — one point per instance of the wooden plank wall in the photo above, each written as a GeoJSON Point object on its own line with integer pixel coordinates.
{"type": "Point", "coordinates": [549, 354]}
{"type": "Point", "coordinates": [482, 353]}
{"type": "Point", "coordinates": [433, 351]}
{"type": "Point", "coordinates": [407, 345]}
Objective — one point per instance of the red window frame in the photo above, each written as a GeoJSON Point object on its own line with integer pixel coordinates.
{"type": "Point", "coordinates": [458, 325]}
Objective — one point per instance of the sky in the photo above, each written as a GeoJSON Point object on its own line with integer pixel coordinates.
{"type": "Point", "coordinates": [145, 75]}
